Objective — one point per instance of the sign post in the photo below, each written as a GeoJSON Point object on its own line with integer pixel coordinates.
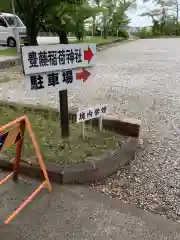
{"type": "Point", "coordinates": [91, 113]}
{"type": "Point", "coordinates": [57, 67]}
{"type": "Point", "coordinates": [64, 113]}
{"type": "Point", "coordinates": [100, 124]}
{"type": "Point", "coordinates": [83, 130]}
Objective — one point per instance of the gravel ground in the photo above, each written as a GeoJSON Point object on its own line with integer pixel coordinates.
{"type": "Point", "coordinates": [139, 79]}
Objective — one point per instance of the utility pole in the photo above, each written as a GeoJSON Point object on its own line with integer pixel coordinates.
{"type": "Point", "coordinates": [16, 33]}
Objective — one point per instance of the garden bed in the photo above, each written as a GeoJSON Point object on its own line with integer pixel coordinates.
{"type": "Point", "coordinates": [46, 126]}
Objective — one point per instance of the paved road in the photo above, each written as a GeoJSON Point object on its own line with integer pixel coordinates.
{"type": "Point", "coordinates": [139, 79]}
{"type": "Point", "coordinates": [45, 40]}
{"type": "Point", "coordinates": [48, 40]}
{"type": "Point", "coordinates": [74, 212]}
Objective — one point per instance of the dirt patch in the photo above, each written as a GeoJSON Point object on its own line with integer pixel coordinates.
{"type": "Point", "coordinates": [11, 74]}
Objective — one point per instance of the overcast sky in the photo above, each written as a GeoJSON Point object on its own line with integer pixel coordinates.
{"type": "Point", "coordinates": [136, 20]}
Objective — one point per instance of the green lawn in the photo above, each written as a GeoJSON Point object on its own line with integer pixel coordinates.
{"type": "Point", "coordinates": [8, 52]}
{"type": "Point", "coordinates": [47, 129]}
{"type": "Point", "coordinates": [99, 40]}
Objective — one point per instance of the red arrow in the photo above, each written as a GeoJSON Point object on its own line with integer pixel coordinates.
{"type": "Point", "coordinates": [88, 54]}
{"type": "Point", "coordinates": [83, 75]}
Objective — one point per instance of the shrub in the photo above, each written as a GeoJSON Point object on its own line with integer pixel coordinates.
{"type": "Point", "coordinates": [144, 33]}
{"type": "Point", "coordinates": [123, 33]}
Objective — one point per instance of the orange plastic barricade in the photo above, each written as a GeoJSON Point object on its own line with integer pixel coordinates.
{"type": "Point", "coordinates": [15, 136]}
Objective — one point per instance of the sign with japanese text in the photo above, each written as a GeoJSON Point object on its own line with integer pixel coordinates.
{"type": "Point", "coordinates": [90, 113]}
{"type": "Point", "coordinates": [56, 80]}
{"type": "Point", "coordinates": [52, 58]}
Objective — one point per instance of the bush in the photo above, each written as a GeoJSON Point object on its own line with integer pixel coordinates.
{"type": "Point", "coordinates": [144, 33]}
{"type": "Point", "coordinates": [123, 33]}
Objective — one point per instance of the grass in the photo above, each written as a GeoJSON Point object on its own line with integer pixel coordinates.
{"type": "Point", "coordinates": [47, 129]}
{"type": "Point", "coordinates": [8, 52]}
{"type": "Point", "coordinates": [100, 40]}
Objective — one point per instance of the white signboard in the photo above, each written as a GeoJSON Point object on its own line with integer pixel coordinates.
{"type": "Point", "coordinates": [56, 80]}
{"type": "Point", "coordinates": [50, 58]}
{"type": "Point", "coordinates": [90, 113]}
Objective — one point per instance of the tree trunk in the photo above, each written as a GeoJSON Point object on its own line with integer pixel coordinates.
{"type": "Point", "coordinates": [105, 27]}
{"type": "Point", "coordinates": [32, 27]}
{"type": "Point", "coordinates": [177, 15]}
{"type": "Point", "coordinates": [32, 36]}
{"type": "Point", "coordinates": [177, 18]}
{"type": "Point", "coordinates": [63, 39]}
{"type": "Point", "coordinates": [94, 27]}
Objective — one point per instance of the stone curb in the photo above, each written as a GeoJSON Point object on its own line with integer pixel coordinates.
{"type": "Point", "coordinates": [16, 60]}
{"type": "Point", "coordinates": [124, 126]}
{"type": "Point", "coordinates": [91, 171]}
{"type": "Point", "coordinates": [10, 62]}
{"type": "Point", "coordinates": [98, 168]}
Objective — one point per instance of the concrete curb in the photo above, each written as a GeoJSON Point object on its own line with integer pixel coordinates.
{"type": "Point", "coordinates": [16, 60]}
{"type": "Point", "coordinates": [10, 62]}
{"type": "Point", "coordinates": [98, 168]}
{"type": "Point", "coordinates": [124, 126]}
{"type": "Point", "coordinates": [91, 171]}
{"type": "Point", "coordinates": [94, 168]}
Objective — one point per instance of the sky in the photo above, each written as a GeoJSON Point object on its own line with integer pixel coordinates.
{"type": "Point", "coordinates": [138, 21]}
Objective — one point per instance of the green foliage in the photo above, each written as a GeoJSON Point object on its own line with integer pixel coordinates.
{"type": "Point", "coordinates": [71, 16]}
{"type": "Point", "coordinates": [34, 14]}
{"type": "Point", "coordinates": [115, 15]}
{"type": "Point", "coordinates": [119, 19]}
{"type": "Point", "coordinates": [165, 23]}
{"type": "Point", "coordinates": [144, 33]}
{"type": "Point", "coordinates": [123, 33]}
{"type": "Point", "coordinates": [171, 27]}
{"type": "Point", "coordinates": [5, 6]}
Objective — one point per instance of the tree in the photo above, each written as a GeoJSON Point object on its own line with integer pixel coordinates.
{"type": "Point", "coordinates": [70, 18]}
{"type": "Point", "coordinates": [58, 20]}
{"type": "Point", "coordinates": [154, 15]}
{"type": "Point", "coordinates": [6, 6]}
{"type": "Point", "coordinates": [118, 20]}
{"type": "Point", "coordinates": [159, 16]}
{"type": "Point", "coordinates": [109, 8]}
{"type": "Point", "coordinates": [175, 7]}
{"type": "Point", "coordinates": [81, 14]}
{"type": "Point", "coordinates": [114, 9]}
{"type": "Point", "coordinates": [33, 13]}
{"type": "Point", "coordinates": [119, 17]}
{"type": "Point", "coordinates": [165, 18]}
{"type": "Point", "coordinates": [170, 27]}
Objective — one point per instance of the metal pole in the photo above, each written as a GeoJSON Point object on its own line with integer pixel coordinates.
{"type": "Point", "coordinates": [16, 33]}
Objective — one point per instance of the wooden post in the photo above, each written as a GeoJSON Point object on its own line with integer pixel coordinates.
{"type": "Point", "coordinates": [63, 95]}
{"type": "Point", "coordinates": [100, 124]}
{"type": "Point", "coordinates": [19, 146]}
{"type": "Point", "coordinates": [83, 130]}
{"type": "Point", "coordinates": [64, 114]}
